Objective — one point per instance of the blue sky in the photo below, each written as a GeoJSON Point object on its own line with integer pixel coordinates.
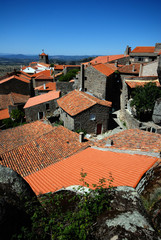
{"type": "Point", "coordinates": [78, 27]}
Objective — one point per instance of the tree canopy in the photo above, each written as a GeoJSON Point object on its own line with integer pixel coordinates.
{"type": "Point", "coordinates": [144, 98]}
{"type": "Point", "coordinates": [70, 75]}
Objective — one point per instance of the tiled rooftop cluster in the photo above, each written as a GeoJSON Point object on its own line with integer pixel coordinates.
{"type": "Point", "coordinates": [17, 136]}
{"type": "Point", "coordinates": [40, 152]}
{"type": "Point", "coordinates": [134, 139]}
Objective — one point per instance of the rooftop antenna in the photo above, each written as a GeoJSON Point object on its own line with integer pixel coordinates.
{"type": "Point", "coordinates": [43, 50]}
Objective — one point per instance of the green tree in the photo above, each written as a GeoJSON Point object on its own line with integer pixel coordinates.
{"type": "Point", "coordinates": [144, 99]}
{"type": "Point", "coordinates": [70, 75]}
{"type": "Point", "coordinates": [17, 115]}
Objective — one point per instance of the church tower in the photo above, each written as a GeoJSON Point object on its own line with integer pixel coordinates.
{"type": "Point", "coordinates": [43, 58]}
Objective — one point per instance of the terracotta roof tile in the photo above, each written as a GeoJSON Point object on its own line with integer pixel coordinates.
{"type": "Point", "coordinates": [134, 139]}
{"type": "Point", "coordinates": [42, 98]}
{"type": "Point", "coordinates": [106, 69]}
{"type": "Point", "coordinates": [143, 50]}
{"type": "Point", "coordinates": [58, 67]}
{"type": "Point", "coordinates": [40, 152]}
{"type": "Point", "coordinates": [14, 137]}
{"type": "Point", "coordinates": [126, 170]}
{"type": "Point", "coordinates": [105, 59]}
{"type": "Point", "coordinates": [50, 86]}
{"type": "Point", "coordinates": [77, 101]}
{"type": "Point", "coordinates": [141, 83]}
{"type": "Point", "coordinates": [131, 68]}
{"type": "Point", "coordinates": [4, 114]}
{"type": "Point", "coordinates": [46, 73]}
{"type": "Point", "coordinates": [43, 54]}
{"type": "Point", "coordinates": [12, 99]}
{"type": "Point", "coordinates": [14, 77]}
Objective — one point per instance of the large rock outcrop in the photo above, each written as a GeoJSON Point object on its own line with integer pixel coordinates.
{"type": "Point", "coordinates": [14, 193]}
{"type": "Point", "coordinates": [156, 117]}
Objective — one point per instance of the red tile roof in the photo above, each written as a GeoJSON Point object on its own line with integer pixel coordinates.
{"type": "Point", "coordinates": [58, 67]}
{"type": "Point", "coordinates": [43, 54]}
{"type": "Point", "coordinates": [143, 50]}
{"type": "Point", "coordinates": [126, 170]}
{"type": "Point", "coordinates": [4, 114]}
{"type": "Point", "coordinates": [43, 77]}
{"type": "Point", "coordinates": [14, 77]}
{"type": "Point", "coordinates": [44, 64]}
{"type": "Point", "coordinates": [134, 139]}
{"type": "Point", "coordinates": [131, 68]}
{"type": "Point", "coordinates": [141, 83]}
{"type": "Point", "coordinates": [46, 73]}
{"type": "Point", "coordinates": [106, 69]}
{"type": "Point", "coordinates": [12, 99]}
{"type": "Point", "coordinates": [42, 151]}
{"type": "Point", "coordinates": [14, 137]}
{"type": "Point", "coordinates": [105, 59]}
{"type": "Point", "coordinates": [42, 98]}
{"type": "Point", "coordinates": [49, 87]}
{"type": "Point", "coordinates": [77, 101]}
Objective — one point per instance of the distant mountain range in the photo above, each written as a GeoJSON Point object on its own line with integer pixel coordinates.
{"type": "Point", "coordinates": [61, 57]}
{"type": "Point", "coordinates": [22, 59]}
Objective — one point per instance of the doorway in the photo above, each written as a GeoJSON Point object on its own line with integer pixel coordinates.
{"type": "Point", "coordinates": [99, 128]}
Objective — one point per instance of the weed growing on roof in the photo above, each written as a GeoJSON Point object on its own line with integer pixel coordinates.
{"type": "Point", "coordinates": [69, 215]}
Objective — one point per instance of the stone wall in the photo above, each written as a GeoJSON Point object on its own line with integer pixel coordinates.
{"type": "Point", "coordinates": [94, 82]}
{"type": "Point", "coordinates": [150, 69]}
{"type": "Point", "coordinates": [15, 86]}
{"type": "Point", "coordinates": [67, 119]}
{"type": "Point", "coordinates": [65, 87]}
{"type": "Point", "coordinates": [31, 113]}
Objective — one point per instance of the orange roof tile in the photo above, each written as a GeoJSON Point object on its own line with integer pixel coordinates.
{"type": "Point", "coordinates": [12, 99]}
{"type": "Point", "coordinates": [105, 59]}
{"type": "Point", "coordinates": [43, 54]}
{"type": "Point", "coordinates": [44, 64]}
{"type": "Point", "coordinates": [131, 68]}
{"type": "Point", "coordinates": [43, 76]}
{"type": "Point", "coordinates": [14, 137]}
{"type": "Point", "coordinates": [134, 139]}
{"type": "Point", "coordinates": [47, 73]}
{"type": "Point", "coordinates": [4, 114]}
{"type": "Point", "coordinates": [14, 77]}
{"type": "Point", "coordinates": [42, 98]}
{"type": "Point", "coordinates": [143, 50]}
{"type": "Point", "coordinates": [42, 151]}
{"type": "Point", "coordinates": [126, 170]}
{"type": "Point", "coordinates": [77, 101]}
{"type": "Point", "coordinates": [141, 83]}
{"type": "Point", "coordinates": [106, 69]}
{"type": "Point", "coordinates": [58, 67]}
{"type": "Point", "coordinates": [50, 86]}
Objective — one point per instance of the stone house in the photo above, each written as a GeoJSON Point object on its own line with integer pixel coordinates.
{"type": "Point", "coordinates": [15, 84]}
{"type": "Point", "coordinates": [103, 81]}
{"type": "Point", "coordinates": [41, 106]}
{"type": "Point", "coordinates": [82, 111]}
{"type": "Point", "coordinates": [41, 78]}
{"type": "Point", "coordinates": [145, 54]}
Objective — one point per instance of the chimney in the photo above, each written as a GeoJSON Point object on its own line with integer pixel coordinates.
{"type": "Point", "coordinates": [81, 137]}
{"type": "Point", "coordinates": [82, 78]}
{"type": "Point", "coordinates": [141, 69]}
{"type": "Point", "coordinates": [44, 86]}
{"type": "Point", "coordinates": [133, 68]}
{"type": "Point", "coordinates": [116, 63]}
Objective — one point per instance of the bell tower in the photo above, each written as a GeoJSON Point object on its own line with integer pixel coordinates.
{"type": "Point", "coordinates": [43, 58]}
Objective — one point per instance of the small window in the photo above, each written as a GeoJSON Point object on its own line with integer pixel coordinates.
{"type": "Point", "coordinates": [40, 115]}
{"type": "Point", "coordinates": [92, 117]}
{"type": "Point", "coordinates": [47, 106]}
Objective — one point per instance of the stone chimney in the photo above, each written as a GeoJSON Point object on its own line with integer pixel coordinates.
{"type": "Point", "coordinates": [44, 86]}
{"type": "Point", "coordinates": [81, 137]}
{"type": "Point", "coordinates": [82, 78]}
{"type": "Point", "coordinates": [116, 63]}
{"type": "Point", "coordinates": [141, 69]}
{"type": "Point", "coordinates": [133, 68]}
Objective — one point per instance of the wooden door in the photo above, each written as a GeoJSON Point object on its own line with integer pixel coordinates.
{"type": "Point", "coordinates": [99, 128]}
